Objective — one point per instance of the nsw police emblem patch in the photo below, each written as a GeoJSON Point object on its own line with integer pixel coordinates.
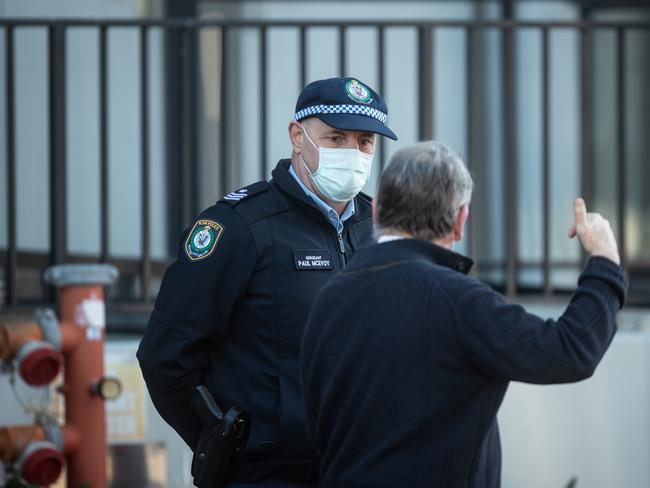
{"type": "Point", "coordinates": [357, 92]}
{"type": "Point", "coordinates": [202, 240]}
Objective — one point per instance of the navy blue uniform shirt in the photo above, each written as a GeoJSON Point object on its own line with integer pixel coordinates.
{"type": "Point", "coordinates": [403, 380]}
{"type": "Point", "coordinates": [231, 312]}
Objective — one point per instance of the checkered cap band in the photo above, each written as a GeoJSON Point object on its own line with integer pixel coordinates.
{"type": "Point", "coordinates": [342, 109]}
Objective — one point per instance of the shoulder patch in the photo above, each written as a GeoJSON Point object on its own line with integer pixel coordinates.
{"type": "Point", "coordinates": [233, 198]}
{"type": "Point", "coordinates": [202, 239]}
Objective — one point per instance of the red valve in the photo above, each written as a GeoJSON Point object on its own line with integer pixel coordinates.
{"type": "Point", "coordinates": [40, 463]}
{"type": "Point", "coordinates": [38, 363]}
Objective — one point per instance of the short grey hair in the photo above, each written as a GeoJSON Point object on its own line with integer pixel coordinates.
{"type": "Point", "coordinates": [421, 191]}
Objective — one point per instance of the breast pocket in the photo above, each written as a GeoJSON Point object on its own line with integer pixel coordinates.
{"type": "Point", "coordinates": [298, 278]}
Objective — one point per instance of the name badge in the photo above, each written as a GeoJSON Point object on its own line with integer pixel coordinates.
{"type": "Point", "coordinates": [307, 260]}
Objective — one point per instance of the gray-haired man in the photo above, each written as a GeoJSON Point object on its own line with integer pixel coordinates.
{"type": "Point", "coordinates": [404, 377]}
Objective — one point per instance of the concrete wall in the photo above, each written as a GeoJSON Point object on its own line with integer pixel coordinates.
{"type": "Point", "coordinates": [597, 431]}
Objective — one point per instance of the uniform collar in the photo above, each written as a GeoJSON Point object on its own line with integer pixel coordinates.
{"type": "Point", "coordinates": [403, 249]}
{"type": "Point", "coordinates": [288, 185]}
{"type": "Point", "coordinates": [330, 214]}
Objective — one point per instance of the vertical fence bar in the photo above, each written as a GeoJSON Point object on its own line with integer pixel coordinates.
{"type": "Point", "coordinates": [172, 128]}
{"type": "Point", "coordinates": [470, 60]}
{"type": "Point", "coordinates": [223, 125]}
{"type": "Point", "coordinates": [103, 144]}
{"type": "Point", "coordinates": [192, 44]}
{"type": "Point", "coordinates": [546, 177]}
{"type": "Point", "coordinates": [11, 167]}
{"type": "Point", "coordinates": [425, 80]}
{"type": "Point", "coordinates": [57, 128]}
{"type": "Point", "coordinates": [381, 76]}
{"type": "Point", "coordinates": [303, 55]}
{"type": "Point", "coordinates": [145, 274]}
{"type": "Point", "coordinates": [585, 118]}
{"type": "Point", "coordinates": [263, 108]}
{"type": "Point", "coordinates": [343, 47]}
{"type": "Point", "coordinates": [187, 162]}
{"type": "Point", "coordinates": [510, 168]}
{"type": "Point", "coordinates": [621, 146]}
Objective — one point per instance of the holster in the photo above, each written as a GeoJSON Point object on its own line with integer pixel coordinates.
{"type": "Point", "coordinates": [221, 437]}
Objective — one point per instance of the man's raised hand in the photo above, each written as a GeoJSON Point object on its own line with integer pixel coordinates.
{"type": "Point", "coordinates": [594, 232]}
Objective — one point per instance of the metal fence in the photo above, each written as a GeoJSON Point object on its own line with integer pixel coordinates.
{"type": "Point", "coordinates": [180, 120]}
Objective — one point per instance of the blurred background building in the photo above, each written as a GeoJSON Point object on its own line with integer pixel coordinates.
{"type": "Point", "coordinates": [119, 126]}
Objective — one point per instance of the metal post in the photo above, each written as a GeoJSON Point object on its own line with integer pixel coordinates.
{"type": "Point", "coordinates": [11, 167]}
{"type": "Point", "coordinates": [81, 304]}
{"type": "Point", "coordinates": [263, 108]}
{"type": "Point", "coordinates": [103, 144]}
{"type": "Point", "coordinates": [173, 151]}
{"type": "Point", "coordinates": [342, 50]}
{"type": "Point", "coordinates": [223, 119]}
{"type": "Point", "coordinates": [381, 76]}
{"type": "Point", "coordinates": [425, 79]}
{"type": "Point", "coordinates": [303, 55]}
{"type": "Point", "coordinates": [470, 59]}
{"type": "Point", "coordinates": [585, 119]}
{"type": "Point", "coordinates": [546, 179]}
{"type": "Point", "coordinates": [621, 146]}
{"type": "Point", "coordinates": [57, 123]}
{"type": "Point", "coordinates": [510, 167]}
{"type": "Point", "coordinates": [145, 273]}
{"type": "Point", "coordinates": [187, 156]}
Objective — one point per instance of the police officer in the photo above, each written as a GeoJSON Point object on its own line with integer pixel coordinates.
{"type": "Point", "coordinates": [231, 309]}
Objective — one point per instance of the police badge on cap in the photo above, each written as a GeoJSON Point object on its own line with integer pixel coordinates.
{"type": "Point", "coordinates": [358, 92]}
{"type": "Point", "coordinates": [346, 104]}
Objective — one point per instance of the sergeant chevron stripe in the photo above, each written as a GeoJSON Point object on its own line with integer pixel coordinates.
{"type": "Point", "coordinates": [235, 196]}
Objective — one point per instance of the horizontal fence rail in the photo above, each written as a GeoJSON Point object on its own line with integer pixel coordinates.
{"type": "Point", "coordinates": [141, 274]}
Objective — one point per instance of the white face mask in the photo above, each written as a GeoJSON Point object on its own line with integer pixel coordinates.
{"type": "Point", "coordinates": [341, 172]}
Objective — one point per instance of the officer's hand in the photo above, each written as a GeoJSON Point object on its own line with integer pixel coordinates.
{"type": "Point", "coordinates": [594, 232]}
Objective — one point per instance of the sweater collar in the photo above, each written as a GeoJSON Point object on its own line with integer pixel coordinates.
{"type": "Point", "coordinates": [415, 248]}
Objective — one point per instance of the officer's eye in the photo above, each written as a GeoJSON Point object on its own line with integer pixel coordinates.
{"type": "Point", "coordinates": [336, 139]}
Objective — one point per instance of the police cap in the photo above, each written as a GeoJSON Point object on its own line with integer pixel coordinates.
{"type": "Point", "coordinates": [346, 104]}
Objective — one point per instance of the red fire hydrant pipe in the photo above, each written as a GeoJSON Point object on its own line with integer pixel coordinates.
{"type": "Point", "coordinates": [82, 319]}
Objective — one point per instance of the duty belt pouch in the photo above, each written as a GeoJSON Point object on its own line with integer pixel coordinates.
{"type": "Point", "coordinates": [221, 436]}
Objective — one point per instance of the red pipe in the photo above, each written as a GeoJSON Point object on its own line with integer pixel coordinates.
{"type": "Point", "coordinates": [81, 313]}
{"type": "Point", "coordinates": [15, 438]}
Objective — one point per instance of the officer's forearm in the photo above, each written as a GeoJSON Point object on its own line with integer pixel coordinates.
{"type": "Point", "coordinates": [174, 407]}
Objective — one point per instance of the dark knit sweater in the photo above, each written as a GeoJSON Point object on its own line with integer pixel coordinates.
{"type": "Point", "coordinates": [406, 360]}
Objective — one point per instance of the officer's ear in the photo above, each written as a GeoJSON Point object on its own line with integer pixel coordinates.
{"type": "Point", "coordinates": [459, 223]}
{"type": "Point", "coordinates": [295, 135]}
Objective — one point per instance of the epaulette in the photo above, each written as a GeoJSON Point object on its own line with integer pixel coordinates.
{"type": "Point", "coordinates": [233, 198]}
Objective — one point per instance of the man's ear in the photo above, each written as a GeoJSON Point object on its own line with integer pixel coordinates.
{"type": "Point", "coordinates": [374, 209]}
{"type": "Point", "coordinates": [295, 135]}
{"type": "Point", "coordinates": [459, 224]}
